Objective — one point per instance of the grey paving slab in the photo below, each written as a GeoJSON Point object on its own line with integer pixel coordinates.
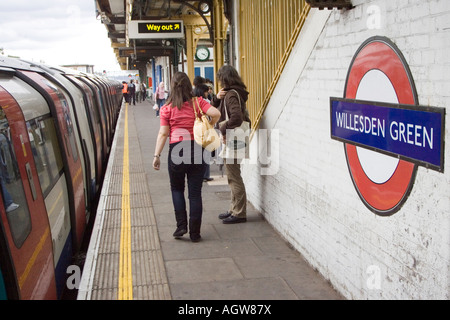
{"type": "Point", "coordinates": [245, 289]}
{"type": "Point", "coordinates": [244, 261]}
{"type": "Point", "coordinates": [108, 250]}
{"type": "Point", "coordinates": [247, 261]}
{"type": "Point", "coordinates": [202, 270]}
{"type": "Point", "coordinates": [212, 248]}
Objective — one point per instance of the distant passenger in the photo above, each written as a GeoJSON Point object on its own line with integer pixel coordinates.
{"type": "Point", "coordinates": [143, 90]}
{"type": "Point", "coordinates": [132, 92]}
{"type": "Point", "coordinates": [198, 80]}
{"type": "Point", "coordinates": [125, 91]}
{"type": "Point", "coordinates": [201, 90]}
{"type": "Point", "coordinates": [234, 96]}
{"type": "Point", "coordinates": [138, 92]}
{"type": "Point", "coordinates": [185, 156]}
{"type": "Point", "coordinates": [160, 96]}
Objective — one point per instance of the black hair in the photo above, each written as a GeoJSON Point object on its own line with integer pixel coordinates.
{"type": "Point", "coordinates": [199, 90]}
{"type": "Point", "coordinates": [198, 80]}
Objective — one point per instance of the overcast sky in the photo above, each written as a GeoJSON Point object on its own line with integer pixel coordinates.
{"type": "Point", "coordinates": [57, 32]}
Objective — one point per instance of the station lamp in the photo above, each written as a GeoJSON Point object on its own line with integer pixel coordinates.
{"type": "Point", "coordinates": [204, 7]}
{"type": "Point", "coordinates": [330, 4]}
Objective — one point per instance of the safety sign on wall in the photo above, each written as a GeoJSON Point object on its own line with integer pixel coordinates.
{"type": "Point", "coordinates": [386, 133]}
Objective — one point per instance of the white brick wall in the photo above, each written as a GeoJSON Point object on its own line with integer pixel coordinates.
{"type": "Point", "coordinates": [311, 199]}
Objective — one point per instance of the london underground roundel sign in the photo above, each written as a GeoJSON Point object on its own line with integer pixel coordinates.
{"type": "Point", "coordinates": [386, 134]}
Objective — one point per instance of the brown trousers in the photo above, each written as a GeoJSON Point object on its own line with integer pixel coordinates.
{"type": "Point", "coordinates": [238, 206]}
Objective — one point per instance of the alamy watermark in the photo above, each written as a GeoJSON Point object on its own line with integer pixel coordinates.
{"type": "Point", "coordinates": [373, 281]}
{"type": "Point", "coordinates": [374, 17]}
{"type": "Point", "coordinates": [263, 150]}
{"type": "Point", "coordinates": [74, 278]}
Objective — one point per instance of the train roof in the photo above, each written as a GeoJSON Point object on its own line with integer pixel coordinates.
{"type": "Point", "coordinates": [15, 63]}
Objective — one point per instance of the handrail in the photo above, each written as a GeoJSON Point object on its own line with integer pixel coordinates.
{"type": "Point", "coordinates": [268, 32]}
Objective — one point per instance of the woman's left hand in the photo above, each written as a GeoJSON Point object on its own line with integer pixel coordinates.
{"type": "Point", "coordinates": [156, 163]}
{"type": "Point", "coordinates": [221, 94]}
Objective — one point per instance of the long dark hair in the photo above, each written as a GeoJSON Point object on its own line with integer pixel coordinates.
{"type": "Point", "coordinates": [228, 77]}
{"type": "Point", "coordinates": [181, 90]}
{"type": "Point", "coordinates": [200, 90]}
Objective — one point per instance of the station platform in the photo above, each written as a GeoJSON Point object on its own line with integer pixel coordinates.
{"type": "Point", "coordinates": [133, 256]}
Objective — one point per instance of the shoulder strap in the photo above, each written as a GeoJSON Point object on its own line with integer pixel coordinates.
{"type": "Point", "coordinates": [194, 103]}
{"type": "Point", "coordinates": [239, 97]}
{"type": "Point", "coordinates": [225, 104]}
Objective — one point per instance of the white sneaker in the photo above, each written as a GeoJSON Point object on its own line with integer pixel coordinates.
{"type": "Point", "coordinates": [12, 207]}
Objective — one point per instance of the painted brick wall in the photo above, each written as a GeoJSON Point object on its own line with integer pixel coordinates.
{"type": "Point", "coordinates": [310, 198]}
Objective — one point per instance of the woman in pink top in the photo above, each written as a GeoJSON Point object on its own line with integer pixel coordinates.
{"type": "Point", "coordinates": [185, 156]}
{"type": "Point", "coordinates": [160, 96]}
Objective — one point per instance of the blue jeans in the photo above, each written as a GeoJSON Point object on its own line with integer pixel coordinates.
{"type": "Point", "coordinates": [7, 199]}
{"type": "Point", "coordinates": [160, 103]}
{"type": "Point", "coordinates": [186, 161]}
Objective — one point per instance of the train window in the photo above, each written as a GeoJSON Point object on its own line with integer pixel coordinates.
{"type": "Point", "coordinates": [69, 124]}
{"type": "Point", "coordinates": [12, 190]}
{"type": "Point", "coordinates": [70, 139]}
{"type": "Point", "coordinates": [93, 110]}
{"type": "Point", "coordinates": [46, 151]}
{"type": "Point", "coordinates": [93, 113]}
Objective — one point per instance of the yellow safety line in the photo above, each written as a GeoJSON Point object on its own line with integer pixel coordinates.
{"type": "Point", "coordinates": [33, 258]}
{"type": "Point", "coordinates": [125, 273]}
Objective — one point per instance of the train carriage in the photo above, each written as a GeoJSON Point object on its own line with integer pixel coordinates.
{"type": "Point", "coordinates": [74, 97]}
{"type": "Point", "coordinates": [50, 170]}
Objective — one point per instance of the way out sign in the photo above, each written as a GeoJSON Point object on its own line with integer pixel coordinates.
{"type": "Point", "coordinates": [386, 133]}
{"type": "Point", "coordinates": [155, 29]}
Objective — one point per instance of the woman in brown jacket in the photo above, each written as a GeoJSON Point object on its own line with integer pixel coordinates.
{"type": "Point", "coordinates": [231, 100]}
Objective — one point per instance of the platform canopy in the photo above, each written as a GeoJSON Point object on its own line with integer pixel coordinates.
{"type": "Point", "coordinates": [134, 51]}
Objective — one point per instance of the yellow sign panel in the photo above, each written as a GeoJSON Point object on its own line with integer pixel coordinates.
{"type": "Point", "coordinates": [157, 29]}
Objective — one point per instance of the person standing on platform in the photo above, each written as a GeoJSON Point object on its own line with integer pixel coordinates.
{"type": "Point", "coordinates": [160, 96]}
{"type": "Point", "coordinates": [143, 91]}
{"type": "Point", "coordinates": [198, 80]}
{"type": "Point", "coordinates": [138, 91]}
{"type": "Point", "coordinates": [132, 92]}
{"type": "Point", "coordinates": [185, 155]}
{"type": "Point", "coordinates": [231, 100]}
{"type": "Point", "coordinates": [202, 90]}
{"type": "Point", "coordinates": [125, 91]}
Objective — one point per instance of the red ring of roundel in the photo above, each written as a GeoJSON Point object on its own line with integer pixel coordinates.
{"type": "Point", "coordinates": [381, 54]}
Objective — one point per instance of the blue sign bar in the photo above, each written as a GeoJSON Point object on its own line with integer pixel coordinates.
{"type": "Point", "coordinates": [413, 133]}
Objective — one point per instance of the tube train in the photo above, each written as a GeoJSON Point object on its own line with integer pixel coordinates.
{"type": "Point", "coordinates": [56, 130]}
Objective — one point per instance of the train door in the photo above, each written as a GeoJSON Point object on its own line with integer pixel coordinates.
{"type": "Point", "coordinates": [72, 163]}
{"type": "Point", "coordinates": [95, 125]}
{"type": "Point", "coordinates": [27, 263]}
{"type": "Point", "coordinates": [108, 104]}
{"type": "Point", "coordinates": [101, 112]}
{"type": "Point", "coordinates": [105, 107]}
{"type": "Point", "coordinates": [83, 135]}
{"type": "Point", "coordinates": [8, 283]}
{"type": "Point", "coordinates": [75, 138]}
{"type": "Point", "coordinates": [3, 295]}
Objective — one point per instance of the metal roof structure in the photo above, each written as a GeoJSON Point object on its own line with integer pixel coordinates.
{"type": "Point", "coordinates": [115, 14]}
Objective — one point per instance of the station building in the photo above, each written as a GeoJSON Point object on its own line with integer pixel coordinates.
{"type": "Point", "coordinates": [369, 211]}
